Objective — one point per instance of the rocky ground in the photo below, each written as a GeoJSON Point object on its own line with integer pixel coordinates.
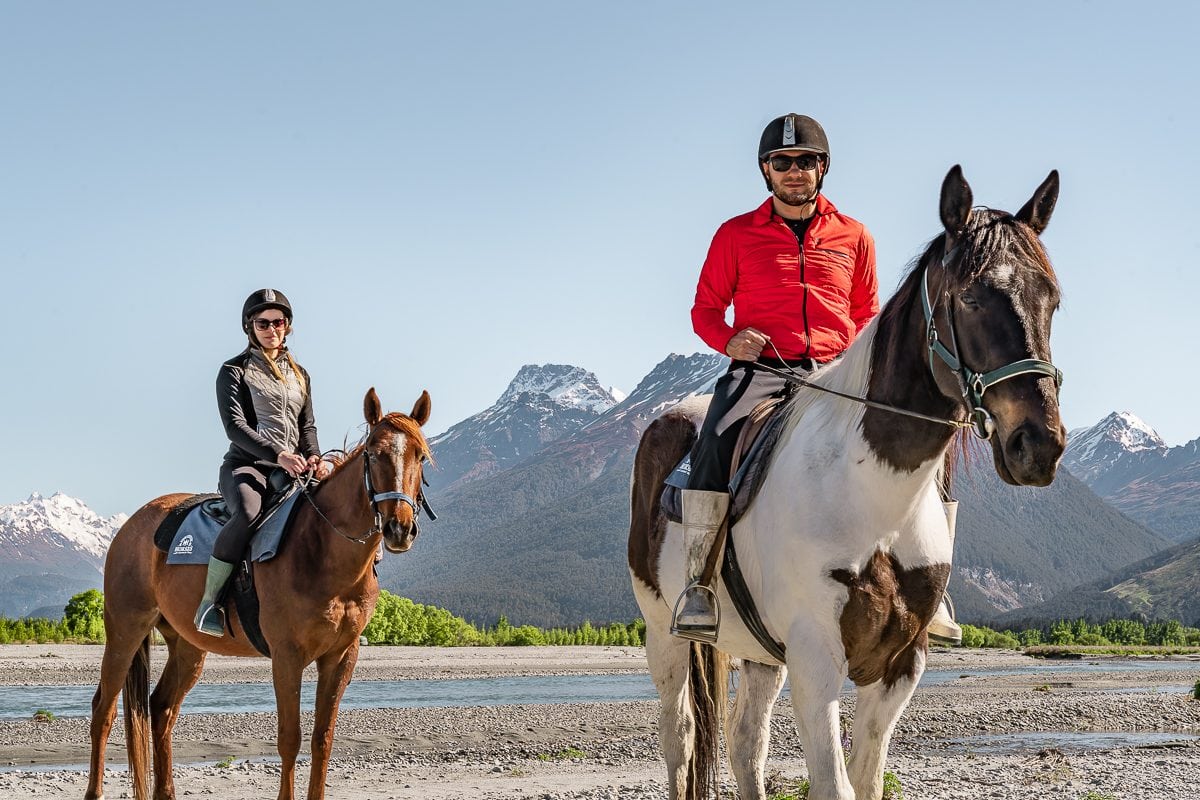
{"type": "Point", "coordinates": [610, 750]}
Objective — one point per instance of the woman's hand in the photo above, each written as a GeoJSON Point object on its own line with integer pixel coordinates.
{"type": "Point", "coordinates": [294, 464]}
{"type": "Point", "coordinates": [320, 468]}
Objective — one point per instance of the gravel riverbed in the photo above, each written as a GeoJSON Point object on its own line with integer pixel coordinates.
{"type": "Point", "coordinates": [946, 745]}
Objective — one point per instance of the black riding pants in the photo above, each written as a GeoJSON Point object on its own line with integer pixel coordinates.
{"type": "Point", "coordinates": [736, 394]}
{"type": "Point", "coordinates": [244, 490]}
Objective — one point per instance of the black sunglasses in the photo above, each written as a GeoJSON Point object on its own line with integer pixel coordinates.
{"type": "Point", "coordinates": [784, 163]}
{"type": "Point", "coordinates": [264, 324]}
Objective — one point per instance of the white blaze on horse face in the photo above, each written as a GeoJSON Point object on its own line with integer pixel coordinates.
{"type": "Point", "coordinates": [1006, 278]}
{"type": "Point", "coordinates": [399, 446]}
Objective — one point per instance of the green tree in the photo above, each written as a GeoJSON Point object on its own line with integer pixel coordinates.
{"type": "Point", "coordinates": [84, 616]}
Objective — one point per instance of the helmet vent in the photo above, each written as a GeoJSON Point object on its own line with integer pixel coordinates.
{"type": "Point", "coordinates": [789, 130]}
{"type": "Point", "coordinates": [269, 296]}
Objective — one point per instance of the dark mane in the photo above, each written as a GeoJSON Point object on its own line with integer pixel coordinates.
{"type": "Point", "coordinates": [401, 423]}
{"type": "Point", "coordinates": [990, 235]}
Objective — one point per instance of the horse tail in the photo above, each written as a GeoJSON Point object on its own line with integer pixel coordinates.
{"type": "Point", "coordinates": [136, 696]}
{"type": "Point", "coordinates": [708, 689]}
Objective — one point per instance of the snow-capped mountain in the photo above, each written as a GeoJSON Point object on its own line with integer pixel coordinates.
{"type": "Point", "coordinates": [50, 548]}
{"type": "Point", "coordinates": [1093, 451]}
{"type": "Point", "coordinates": [542, 404]}
{"type": "Point", "coordinates": [1124, 461]}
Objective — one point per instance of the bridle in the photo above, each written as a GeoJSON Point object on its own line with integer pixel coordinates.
{"type": "Point", "coordinates": [973, 384]}
{"type": "Point", "coordinates": [375, 498]}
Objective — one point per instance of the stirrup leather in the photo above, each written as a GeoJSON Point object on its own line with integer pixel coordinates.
{"type": "Point", "coordinates": [696, 633]}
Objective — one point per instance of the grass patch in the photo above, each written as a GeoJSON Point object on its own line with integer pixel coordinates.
{"type": "Point", "coordinates": [567, 754]}
{"type": "Point", "coordinates": [43, 715]}
{"type": "Point", "coordinates": [226, 762]}
{"type": "Point", "coordinates": [1058, 650]}
{"type": "Point", "coordinates": [1196, 691]}
{"type": "Point", "coordinates": [781, 789]}
{"type": "Point", "coordinates": [1098, 796]}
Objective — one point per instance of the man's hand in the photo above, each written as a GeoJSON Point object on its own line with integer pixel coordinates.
{"type": "Point", "coordinates": [746, 345]}
{"type": "Point", "coordinates": [294, 464]}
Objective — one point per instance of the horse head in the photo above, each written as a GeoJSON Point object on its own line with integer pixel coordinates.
{"type": "Point", "coordinates": [395, 452]}
{"type": "Point", "coordinates": [989, 307]}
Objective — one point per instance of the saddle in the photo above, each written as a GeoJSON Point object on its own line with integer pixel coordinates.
{"type": "Point", "coordinates": [751, 454]}
{"type": "Point", "coordinates": [188, 533]}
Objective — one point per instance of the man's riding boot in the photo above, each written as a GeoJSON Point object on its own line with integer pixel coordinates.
{"type": "Point", "coordinates": [696, 609]}
{"type": "Point", "coordinates": [210, 618]}
{"type": "Point", "coordinates": [942, 628]}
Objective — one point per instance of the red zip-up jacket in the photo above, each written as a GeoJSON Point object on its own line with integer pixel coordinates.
{"type": "Point", "coordinates": [812, 300]}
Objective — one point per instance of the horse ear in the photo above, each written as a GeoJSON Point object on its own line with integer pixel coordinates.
{"type": "Point", "coordinates": [420, 411]}
{"type": "Point", "coordinates": [956, 202]}
{"type": "Point", "coordinates": [1036, 213]}
{"type": "Point", "coordinates": [372, 408]}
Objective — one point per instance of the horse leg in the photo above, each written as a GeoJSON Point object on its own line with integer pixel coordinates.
{"type": "Point", "coordinates": [878, 709]}
{"type": "Point", "coordinates": [287, 670]}
{"type": "Point", "coordinates": [750, 729]}
{"type": "Point", "coordinates": [123, 641]}
{"type": "Point", "coordinates": [184, 664]}
{"type": "Point", "coordinates": [334, 671]}
{"type": "Point", "coordinates": [668, 658]}
{"type": "Point", "coordinates": [817, 676]}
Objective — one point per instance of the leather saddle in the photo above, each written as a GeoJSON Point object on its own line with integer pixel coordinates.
{"type": "Point", "coordinates": [752, 453]}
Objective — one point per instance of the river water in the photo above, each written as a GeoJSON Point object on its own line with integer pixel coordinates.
{"type": "Point", "coordinates": [20, 702]}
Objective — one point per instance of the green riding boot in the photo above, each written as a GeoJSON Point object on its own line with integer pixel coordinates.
{"type": "Point", "coordinates": [210, 618]}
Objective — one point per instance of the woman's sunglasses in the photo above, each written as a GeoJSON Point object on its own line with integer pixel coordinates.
{"type": "Point", "coordinates": [264, 324]}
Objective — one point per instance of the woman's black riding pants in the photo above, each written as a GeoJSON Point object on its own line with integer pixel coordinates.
{"type": "Point", "coordinates": [244, 490]}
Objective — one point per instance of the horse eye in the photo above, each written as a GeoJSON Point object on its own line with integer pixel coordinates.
{"type": "Point", "coordinates": [969, 300]}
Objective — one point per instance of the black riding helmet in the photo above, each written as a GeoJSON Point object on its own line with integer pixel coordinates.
{"type": "Point", "coordinates": [262, 300]}
{"type": "Point", "coordinates": [793, 132]}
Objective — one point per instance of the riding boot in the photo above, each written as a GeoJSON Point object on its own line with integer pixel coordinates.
{"type": "Point", "coordinates": [696, 615]}
{"type": "Point", "coordinates": [942, 628]}
{"type": "Point", "coordinates": [210, 617]}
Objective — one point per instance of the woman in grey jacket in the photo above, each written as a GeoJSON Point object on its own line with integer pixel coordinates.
{"type": "Point", "coordinates": [265, 402]}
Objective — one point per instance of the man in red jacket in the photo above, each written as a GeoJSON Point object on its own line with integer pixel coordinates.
{"type": "Point", "coordinates": [800, 276]}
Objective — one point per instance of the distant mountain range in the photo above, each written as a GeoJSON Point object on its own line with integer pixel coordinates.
{"type": "Point", "coordinates": [50, 548]}
{"type": "Point", "coordinates": [534, 494]}
{"type": "Point", "coordinates": [1124, 461]}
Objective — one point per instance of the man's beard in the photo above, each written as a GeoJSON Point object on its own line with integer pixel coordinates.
{"type": "Point", "coordinates": [794, 197]}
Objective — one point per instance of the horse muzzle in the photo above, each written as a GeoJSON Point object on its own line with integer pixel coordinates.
{"type": "Point", "coordinates": [1029, 454]}
{"type": "Point", "coordinates": [398, 537]}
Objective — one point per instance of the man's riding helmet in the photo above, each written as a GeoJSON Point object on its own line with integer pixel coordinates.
{"type": "Point", "coordinates": [793, 132]}
{"type": "Point", "coordinates": [261, 301]}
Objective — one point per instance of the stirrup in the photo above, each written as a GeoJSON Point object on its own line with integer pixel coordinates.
{"type": "Point", "coordinates": [705, 634]}
{"type": "Point", "coordinates": [204, 623]}
{"type": "Point", "coordinates": [942, 633]}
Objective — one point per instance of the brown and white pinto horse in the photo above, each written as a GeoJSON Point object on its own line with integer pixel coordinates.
{"type": "Point", "coordinates": [845, 549]}
{"type": "Point", "coordinates": [315, 598]}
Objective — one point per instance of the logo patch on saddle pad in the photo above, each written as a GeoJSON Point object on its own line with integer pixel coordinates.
{"type": "Point", "coordinates": [193, 542]}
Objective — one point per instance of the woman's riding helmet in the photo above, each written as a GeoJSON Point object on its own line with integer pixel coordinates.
{"type": "Point", "coordinates": [262, 300]}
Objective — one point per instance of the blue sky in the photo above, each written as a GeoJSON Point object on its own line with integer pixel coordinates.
{"type": "Point", "coordinates": [449, 193]}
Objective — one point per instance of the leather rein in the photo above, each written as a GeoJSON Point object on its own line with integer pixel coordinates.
{"type": "Point", "coordinates": [375, 498]}
{"type": "Point", "coordinates": [973, 384]}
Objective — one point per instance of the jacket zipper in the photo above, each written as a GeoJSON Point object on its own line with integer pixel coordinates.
{"type": "Point", "coordinates": [804, 303]}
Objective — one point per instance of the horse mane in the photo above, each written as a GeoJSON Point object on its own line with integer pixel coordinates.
{"type": "Point", "coordinates": [847, 375]}
{"type": "Point", "coordinates": [402, 423]}
{"type": "Point", "coordinates": [990, 236]}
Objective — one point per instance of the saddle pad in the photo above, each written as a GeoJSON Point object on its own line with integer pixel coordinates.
{"type": "Point", "coordinates": [165, 535]}
{"type": "Point", "coordinates": [743, 486]}
{"type": "Point", "coordinates": [193, 541]}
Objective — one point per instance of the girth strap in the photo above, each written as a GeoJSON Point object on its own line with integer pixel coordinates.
{"type": "Point", "coordinates": [739, 593]}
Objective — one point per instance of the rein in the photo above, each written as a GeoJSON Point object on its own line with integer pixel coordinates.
{"type": "Point", "coordinates": [973, 384]}
{"type": "Point", "coordinates": [375, 498]}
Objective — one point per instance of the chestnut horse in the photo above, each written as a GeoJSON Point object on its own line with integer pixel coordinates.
{"type": "Point", "coordinates": [845, 551]}
{"type": "Point", "coordinates": [315, 598]}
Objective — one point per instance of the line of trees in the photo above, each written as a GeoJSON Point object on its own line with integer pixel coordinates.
{"type": "Point", "coordinates": [1114, 632]}
{"type": "Point", "coordinates": [400, 621]}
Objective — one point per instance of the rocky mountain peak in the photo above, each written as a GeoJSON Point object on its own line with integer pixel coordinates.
{"type": "Point", "coordinates": [1095, 451]}
{"type": "Point", "coordinates": [564, 385]}
{"type": "Point", "coordinates": [59, 517]}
